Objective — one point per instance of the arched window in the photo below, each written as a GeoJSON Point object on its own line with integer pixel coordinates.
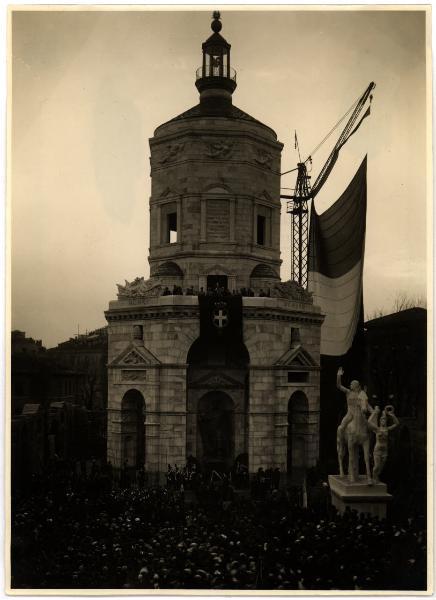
{"type": "Point", "coordinates": [298, 430]}
{"type": "Point", "coordinates": [133, 429]}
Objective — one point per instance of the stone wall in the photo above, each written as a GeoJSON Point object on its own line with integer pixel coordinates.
{"type": "Point", "coordinates": [193, 173]}
{"type": "Point", "coordinates": [159, 372]}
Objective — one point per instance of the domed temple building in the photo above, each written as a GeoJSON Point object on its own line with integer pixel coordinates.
{"type": "Point", "coordinates": [214, 358]}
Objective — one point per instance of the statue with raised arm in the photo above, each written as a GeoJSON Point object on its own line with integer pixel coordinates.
{"type": "Point", "coordinates": [353, 430]}
{"type": "Point", "coordinates": [381, 431]}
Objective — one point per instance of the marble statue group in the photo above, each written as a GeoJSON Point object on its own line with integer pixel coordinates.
{"type": "Point", "coordinates": [355, 429]}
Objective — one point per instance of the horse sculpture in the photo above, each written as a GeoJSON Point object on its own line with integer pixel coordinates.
{"type": "Point", "coordinates": [354, 431]}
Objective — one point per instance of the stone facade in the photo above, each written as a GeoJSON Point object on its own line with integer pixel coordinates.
{"type": "Point", "coordinates": [214, 222]}
{"type": "Point", "coordinates": [217, 200]}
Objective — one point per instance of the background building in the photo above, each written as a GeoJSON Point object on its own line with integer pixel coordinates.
{"type": "Point", "coordinates": [58, 403]}
{"type": "Point", "coordinates": [86, 355]}
{"type": "Point", "coordinates": [396, 349]}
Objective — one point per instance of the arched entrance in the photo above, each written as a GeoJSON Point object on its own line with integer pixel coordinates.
{"type": "Point", "coordinates": [298, 422]}
{"type": "Point", "coordinates": [217, 402]}
{"type": "Point", "coordinates": [132, 429]}
{"type": "Point", "coordinates": [216, 431]}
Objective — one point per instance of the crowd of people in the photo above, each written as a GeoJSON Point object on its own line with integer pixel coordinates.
{"type": "Point", "coordinates": [190, 477]}
{"type": "Point", "coordinates": [86, 531]}
{"type": "Point", "coordinates": [217, 291]}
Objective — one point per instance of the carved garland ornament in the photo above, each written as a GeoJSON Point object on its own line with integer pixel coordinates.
{"type": "Point", "coordinates": [264, 158]}
{"type": "Point", "coordinates": [218, 149]}
{"type": "Point", "coordinates": [171, 152]}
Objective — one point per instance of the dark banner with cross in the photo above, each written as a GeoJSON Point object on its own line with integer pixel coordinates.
{"type": "Point", "coordinates": [221, 317]}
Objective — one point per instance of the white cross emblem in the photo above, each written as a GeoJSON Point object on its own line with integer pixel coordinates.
{"type": "Point", "coordinates": [220, 318]}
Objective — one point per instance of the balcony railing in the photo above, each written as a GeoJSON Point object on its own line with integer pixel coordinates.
{"type": "Point", "coordinates": [218, 71]}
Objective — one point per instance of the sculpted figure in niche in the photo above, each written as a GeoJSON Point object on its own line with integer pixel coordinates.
{"type": "Point", "coordinates": [353, 430]}
{"type": "Point", "coordinates": [381, 431]}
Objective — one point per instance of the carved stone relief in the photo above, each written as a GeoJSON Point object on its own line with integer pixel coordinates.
{"type": "Point", "coordinates": [139, 287]}
{"type": "Point", "coordinates": [291, 290]}
{"type": "Point", "coordinates": [133, 358]}
{"type": "Point", "coordinates": [130, 375]}
{"type": "Point", "coordinates": [264, 158]}
{"type": "Point", "coordinates": [171, 152]}
{"type": "Point", "coordinates": [218, 149]}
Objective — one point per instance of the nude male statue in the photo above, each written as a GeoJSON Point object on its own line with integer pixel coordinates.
{"type": "Point", "coordinates": [356, 399]}
{"type": "Point", "coordinates": [357, 434]}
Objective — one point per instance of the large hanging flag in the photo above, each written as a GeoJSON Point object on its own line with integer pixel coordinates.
{"type": "Point", "coordinates": [336, 254]}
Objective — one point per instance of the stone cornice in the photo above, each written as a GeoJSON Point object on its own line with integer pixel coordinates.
{"type": "Point", "coordinates": [188, 132]}
{"type": "Point", "coordinates": [254, 413]}
{"type": "Point", "coordinates": [236, 412]}
{"type": "Point", "coordinates": [198, 254]}
{"type": "Point", "coordinates": [185, 366]}
{"type": "Point", "coordinates": [161, 313]}
{"type": "Point", "coordinates": [155, 313]}
{"type": "Point", "coordinates": [174, 196]}
{"type": "Point", "coordinates": [289, 316]}
{"type": "Point", "coordinates": [285, 368]}
{"type": "Point", "coordinates": [205, 161]}
{"type": "Point", "coordinates": [156, 367]}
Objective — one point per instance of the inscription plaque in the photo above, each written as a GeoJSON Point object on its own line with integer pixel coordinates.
{"type": "Point", "coordinates": [218, 220]}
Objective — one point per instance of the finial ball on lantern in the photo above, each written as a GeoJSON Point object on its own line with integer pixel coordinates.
{"type": "Point", "coordinates": [216, 23]}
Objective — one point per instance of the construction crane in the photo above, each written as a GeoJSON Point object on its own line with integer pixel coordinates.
{"type": "Point", "coordinates": [298, 202]}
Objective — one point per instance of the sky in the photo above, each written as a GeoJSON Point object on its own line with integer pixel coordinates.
{"type": "Point", "coordinates": [90, 87]}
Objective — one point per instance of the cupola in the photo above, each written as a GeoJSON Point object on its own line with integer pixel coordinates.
{"type": "Point", "coordinates": [216, 78]}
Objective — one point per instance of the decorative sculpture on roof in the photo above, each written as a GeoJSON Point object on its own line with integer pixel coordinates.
{"type": "Point", "coordinates": [139, 287]}
{"type": "Point", "coordinates": [216, 25]}
{"type": "Point", "coordinates": [291, 291]}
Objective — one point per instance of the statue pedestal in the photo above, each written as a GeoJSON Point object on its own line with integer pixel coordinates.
{"type": "Point", "coordinates": [359, 496]}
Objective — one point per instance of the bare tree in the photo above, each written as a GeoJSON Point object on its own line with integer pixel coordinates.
{"type": "Point", "coordinates": [375, 314]}
{"type": "Point", "coordinates": [402, 301]}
